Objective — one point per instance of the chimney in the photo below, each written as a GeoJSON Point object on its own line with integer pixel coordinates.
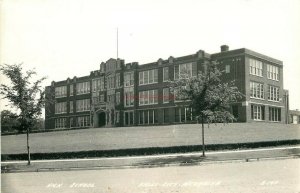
{"type": "Point", "coordinates": [224, 48]}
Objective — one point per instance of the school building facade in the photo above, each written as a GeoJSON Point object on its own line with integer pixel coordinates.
{"type": "Point", "coordinates": [126, 94]}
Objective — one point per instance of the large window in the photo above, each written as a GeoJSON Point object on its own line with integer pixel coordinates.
{"type": "Point", "coordinates": [72, 122]}
{"type": "Point", "coordinates": [60, 91]}
{"type": "Point", "coordinates": [166, 95]}
{"type": "Point", "coordinates": [61, 108]}
{"type": "Point", "coordinates": [257, 112]}
{"type": "Point", "coordinates": [128, 118]}
{"type": "Point", "coordinates": [128, 79]}
{"type": "Point", "coordinates": [83, 105]}
{"type": "Point", "coordinates": [256, 90]}
{"type": "Point", "coordinates": [148, 77]}
{"type": "Point", "coordinates": [183, 114]}
{"type": "Point", "coordinates": [185, 70]}
{"type": "Point", "coordinates": [274, 114]}
{"type": "Point", "coordinates": [128, 97]}
{"type": "Point", "coordinates": [227, 69]}
{"type": "Point", "coordinates": [256, 67]}
{"type": "Point", "coordinates": [118, 98]}
{"type": "Point", "coordinates": [83, 121]}
{"type": "Point", "coordinates": [83, 87]}
{"type": "Point", "coordinates": [110, 82]}
{"type": "Point", "coordinates": [71, 90]}
{"type": "Point", "coordinates": [96, 84]}
{"type": "Point", "coordinates": [273, 93]}
{"type": "Point", "coordinates": [273, 72]}
{"type": "Point", "coordinates": [71, 107]}
{"type": "Point", "coordinates": [102, 85]}
{"type": "Point", "coordinates": [148, 97]}
{"type": "Point", "coordinates": [118, 81]}
{"type": "Point", "coordinates": [60, 123]}
{"type": "Point", "coordinates": [165, 74]}
{"type": "Point", "coordinates": [148, 116]}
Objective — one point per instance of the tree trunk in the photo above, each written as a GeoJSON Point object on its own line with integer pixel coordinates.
{"type": "Point", "coordinates": [28, 151]}
{"type": "Point", "coordinates": [203, 145]}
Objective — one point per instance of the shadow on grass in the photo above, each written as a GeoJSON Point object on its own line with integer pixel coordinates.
{"type": "Point", "coordinates": [145, 151]}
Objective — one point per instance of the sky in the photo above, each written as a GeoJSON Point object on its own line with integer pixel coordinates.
{"type": "Point", "coordinates": [67, 38]}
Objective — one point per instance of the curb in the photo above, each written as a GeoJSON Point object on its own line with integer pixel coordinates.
{"type": "Point", "coordinates": [151, 166]}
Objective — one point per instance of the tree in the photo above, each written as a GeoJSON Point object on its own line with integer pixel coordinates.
{"type": "Point", "coordinates": [25, 95]}
{"type": "Point", "coordinates": [208, 96]}
{"type": "Point", "coordinates": [9, 121]}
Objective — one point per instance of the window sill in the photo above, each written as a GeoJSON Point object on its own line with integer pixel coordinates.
{"type": "Point", "coordinates": [148, 84]}
{"type": "Point", "coordinates": [257, 98]}
{"type": "Point", "coordinates": [274, 101]}
{"type": "Point", "coordinates": [57, 97]}
{"type": "Point", "coordinates": [257, 75]}
{"type": "Point", "coordinates": [148, 104]}
{"type": "Point", "coordinates": [82, 111]}
{"type": "Point", "coordinates": [258, 120]}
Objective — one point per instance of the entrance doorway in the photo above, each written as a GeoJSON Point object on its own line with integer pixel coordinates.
{"type": "Point", "coordinates": [101, 119]}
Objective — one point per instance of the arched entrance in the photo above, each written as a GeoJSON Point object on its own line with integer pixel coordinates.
{"type": "Point", "coordinates": [101, 119]}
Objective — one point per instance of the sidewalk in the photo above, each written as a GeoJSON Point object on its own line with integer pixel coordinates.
{"type": "Point", "coordinates": [152, 161]}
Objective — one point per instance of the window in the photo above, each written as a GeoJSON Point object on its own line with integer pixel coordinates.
{"type": "Point", "coordinates": [110, 98]}
{"type": "Point", "coordinates": [83, 87]}
{"type": "Point", "coordinates": [148, 97]}
{"type": "Point", "coordinates": [117, 117]}
{"type": "Point", "coordinates": [128, 118]}
{"type": "Point", "coordinates": [128, 97]}
{"type": "Point", "coordinates": [148, 116]}
{"type": "Point", "coordinates": [128, 79]}
{"type": "Point", "coordinates": [257, 112]}
{"type": "Point", "coordinates": [166, 115]}
{"type": "Point", "coordinates": [272, 72]}
{"type": "Point", "coordinates": [102, 85]}
{"type": "Point", "coordinates": [227, 69]}
{"type": "Point", "coordinates": [256, 90]}
{"type": "Point", "coordinates": [118, 82]}
{"type": "Point", "coordinates": [166, 96]}
{"type": "Point", "coordinates": [71, 90]}
{"type": "Point", "coordinates": [61, 108]}
{"type": "Point", "coordinates": [118, 98]}
{"type": "Point", "coordinates": [60, 91]}
{"type": "Point", "coordinates": [165, 74]}
{"type": "Point", "coordinates": [273, 93]}
{"type": "Point", "coordinates": [60, 123]}
{"type": "Point", "coordinates": [183, 114]}
{"type": "Point", "coordinates": [95, 97]}
{"type": "Point", "coordinates": [83, 105]}
{"type": "Point", "coordinates": [71, 107]}
{"type": "Point", "coordinates": [72, 122]}
{"type": "Point", "coordinates": [96, 84]}
{"type": "Point", "coordinates": [110, 82]}
{"type": "Point", "coordinates": [102, 98]}
{"type": "Point", "coordinates": [255, 67]}
{"type": "Point", "coordinates": [83, 121]}
{"type": "Point", "coordinates": [274, 114]}
{"type": "Point", "coordinates": [185, 70]}
{"type": "Point", "coordinates": [148, 77]}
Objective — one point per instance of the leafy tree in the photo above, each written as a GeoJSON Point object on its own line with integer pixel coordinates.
{"type": "Point", "coordinates": [9, 121]}
{"type": "Point", "coordinates": [208, 96]}
{"type": "Point", "coordinates": [27, 96]}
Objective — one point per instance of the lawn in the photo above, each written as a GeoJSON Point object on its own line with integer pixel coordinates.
{"type": "Point", "coordinates": [151, 136]}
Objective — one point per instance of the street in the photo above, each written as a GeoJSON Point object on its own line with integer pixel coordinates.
{"type": "Point", "coordinates": [260, 176]}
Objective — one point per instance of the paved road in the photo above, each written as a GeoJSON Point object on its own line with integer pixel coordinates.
{"type": "Point", "coordinates": [263, 176]}
{"type": "Point", "coordinates": [151, 136]}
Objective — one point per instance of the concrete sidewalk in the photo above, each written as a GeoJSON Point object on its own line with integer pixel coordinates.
{"type": "Point", "coordinates": [152, 161]}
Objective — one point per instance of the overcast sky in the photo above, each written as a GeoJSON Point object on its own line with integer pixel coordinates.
{"type": "Point", "coordinates": [67, 38]}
